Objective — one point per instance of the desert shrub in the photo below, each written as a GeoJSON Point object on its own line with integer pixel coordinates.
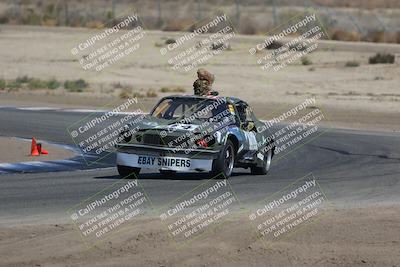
{"type": "Point", "coordinates": [165, 90]}
{"type": "Point", "coordinates": [125, 94]}
{"type": "Point", "coordinates": [52, 84]}
{"type": "Point", "coordinates": [274, 45]}
{"type": "Point", "coordinates": [76, 85]}
{"type": "Point", "coordinates": [33, 83]}
{"type": "Point", "coordinates": [306, 61]}
{"type": "Point", "coordinates": [351, 93]}
{"type": "Point", "coordinates": [352, 64]}
{"type": "Point", "coordinates": [36, 84]}
{"type": "Point", "coordinates": [382, 59]}
{"type": "Point", "coordinates": [341, 35]}
{"type": "Point", "coordinates": [22, 79]}
{"type": "Point", "coordinates": [14, 85]}
{"type": "Point", "coordinates": [375, 36]}
{"type": "Point", "coordinates": [137, 95]}
{"type": "Point", "coordinates": [109, 15]}
{"type": "Point", "coordinates": [49, 22]}
{"type": "Point", "coordinates": [179, 89]}
{"type": "Point", "coordinates": [151, 93]}
{"type": "Point", "coordinates": [31, 18]}
{"type": "Point", "coordinates": [217, 46]}
{"type": "Point", "coordinates": [49, 18]}
{"type": "Point", "coordinates": [3, 84]}
{"type": "Point", "coordinates": [382, 37]}
{"type": "Point", "coordinates": [170, 41]}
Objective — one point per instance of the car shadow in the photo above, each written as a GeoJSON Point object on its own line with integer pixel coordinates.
{"type": "Point", "coordinates": [178, 176]}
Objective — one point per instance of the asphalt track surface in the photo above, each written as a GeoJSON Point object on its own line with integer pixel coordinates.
{"type": "Point", "coordinates": [354, 168]}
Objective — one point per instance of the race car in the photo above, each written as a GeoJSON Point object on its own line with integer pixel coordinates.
{"type": "Point", "coordinates": [185, 133]}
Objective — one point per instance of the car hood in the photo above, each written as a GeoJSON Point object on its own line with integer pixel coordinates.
{"type": "Point", "coordinates": [152, 123]}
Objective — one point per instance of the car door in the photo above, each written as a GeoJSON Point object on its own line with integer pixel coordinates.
{"type": "Point", "coordinates": [247, 128]}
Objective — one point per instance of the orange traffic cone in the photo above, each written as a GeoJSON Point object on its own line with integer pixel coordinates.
{"type": "Point", "coordinates": [34, 149]}
{"type": "Point", "coordinates": [44, 152]}
{"type": "Point", "coordinates": [41, 150]}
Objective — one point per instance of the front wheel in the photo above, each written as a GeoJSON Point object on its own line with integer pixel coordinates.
{"type": "Point", "coordinates": [128, 172]}
{"type": "Point", "coordinates": [265, 166]}
{"type": "Point", "coordinates": [224, 163]}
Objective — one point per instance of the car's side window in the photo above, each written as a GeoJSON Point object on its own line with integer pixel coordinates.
{"type": "Point", "coordinates": [246, 117]}
{"type": "Point", "coordinates": [244, 112]}
{"type": "Point", "coordinates": [249, 114]}
{"type": "Point", "coordinates": [241, 112]}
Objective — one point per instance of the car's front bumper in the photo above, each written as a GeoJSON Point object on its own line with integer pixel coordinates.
{"type": "Point", "coordinates": [165, 158]}
{"type": "Point", "coordinates": [163, 162]}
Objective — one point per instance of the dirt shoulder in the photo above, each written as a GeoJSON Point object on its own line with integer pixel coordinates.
{"type": "Point", "coordinates": [18, 150]}
{"type": "Point", "coordinates": [345, 237]}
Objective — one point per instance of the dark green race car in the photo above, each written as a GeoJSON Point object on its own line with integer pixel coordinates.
{"type": "Point", "coordinates": [194, 133]}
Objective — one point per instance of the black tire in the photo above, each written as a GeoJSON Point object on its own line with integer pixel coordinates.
{"type": "Point", "coordinates": [168, 173]}
{"type": "Point", "coordinates": [265, 166]}
{"type": "Point", "coordinates": [225, 161]}
{"type": "Point", "coordinates": [128, 172]}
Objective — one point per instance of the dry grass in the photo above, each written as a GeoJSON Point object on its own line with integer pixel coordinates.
{"type": "Point", "coordinates": [125, 93]}
{"type": "Point", "coordinates": [94, 24]}
{"type": "Point", "coordinates": [28, 83]}
{"type": "Point", "coordinates": [177, 89]}
{"type": "Point", "coordinates": [49, 22]}
{"type": "Point", "coordinates": [128, 92]}
{"type": "Point", "coordinates": [382, 37]}
{"type": "Point", "coordinates": [342, 35]}
{"type": "Point", "coordinates": [151, 93]}
{"type": "Point", "coordinates": [178, 25]}
{"type": "Point", "coordinates": [352, 64]}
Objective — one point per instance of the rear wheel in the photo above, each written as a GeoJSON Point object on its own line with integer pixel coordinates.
{"type": "Point", "coordinates": [265, 166]}
{"type": "Point", "coordinates": [224, 163]}
{"type": "Point", "coordinates": [128, 172]}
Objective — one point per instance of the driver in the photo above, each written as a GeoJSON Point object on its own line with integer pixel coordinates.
{"type": "Point", "coordinates": [203, 85]}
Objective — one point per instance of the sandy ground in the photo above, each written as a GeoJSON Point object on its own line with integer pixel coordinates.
{"type": "Point", "coordinates": [365, 97]}
{"type": "Point", "coordinates": [18, 150]}
{"type": "Point", "coordinates": [350, 237]}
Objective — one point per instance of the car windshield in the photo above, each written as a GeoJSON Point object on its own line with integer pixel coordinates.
{"type": "Point", "coordinates": [179, 108]}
